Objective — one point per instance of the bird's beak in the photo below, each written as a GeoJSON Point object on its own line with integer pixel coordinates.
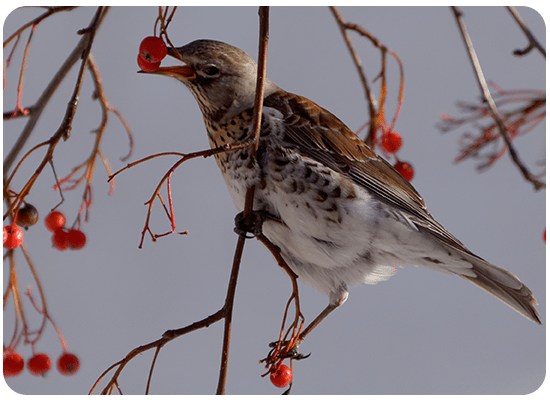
{"type": "Point", "coordinates": [177, 71]}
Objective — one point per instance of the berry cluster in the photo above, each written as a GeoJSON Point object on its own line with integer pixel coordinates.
{"type": "Point", "coordinates": [151, 52]}
{"type": "Point", "coordinates": [25, 217]}
{"type": "Point", "coordinates": [391, 142]}
{"type": "Point", "coordinates": [63, 239]}
{"type": "Point", "coordinates": [39, 364]}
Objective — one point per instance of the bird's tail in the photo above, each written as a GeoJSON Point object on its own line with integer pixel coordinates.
{"type": "Point", "coordinates": [505, 286]}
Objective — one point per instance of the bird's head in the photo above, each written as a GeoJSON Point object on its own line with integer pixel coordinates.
{"type": "Point", "coordinates": [221, 77]}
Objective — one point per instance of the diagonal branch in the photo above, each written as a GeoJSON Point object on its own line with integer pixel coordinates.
{"type": "Point", "coordinates": [488, 99]}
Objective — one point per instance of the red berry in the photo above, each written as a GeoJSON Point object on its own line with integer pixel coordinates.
{"type": "Point", "coordinates": [60, 239]}
{"type": "Point", "coordinates": [405, 169]}
{"type": "Point", "coordinates": [152, 49]}
{"type": "Point", "coordinates": [147, 66]}
{"type": "Point", "coordinates": [13, 364]}
{"type": "Point", "coordinates": [39, 364]}
{"type": "Point", "coordinates": [76, 239]}
{"type": "Point", "coordinates": [391, 141]}
{"type": "Point", "coordinates": [27, 216]}
{"type": "Point", "coordinates": [13, 237]}
{"type": "Point", "coordinates": [282, 376]}
{"type": "Point", "coordinates": [54, 221]}
{"type": "Point", "coordinates": [68, 364]}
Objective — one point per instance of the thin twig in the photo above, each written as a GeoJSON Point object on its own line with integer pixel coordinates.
{"type": "Point", "coordinates": [90, 31]}
{"type": "Point", "coordinates": [533, 42]}
{"type": "Point", "coordinates": [20, 110]}
{"type": "Point", "coordinates": [37, 20]}
{"type": "Point", "coordinates": [99, 94]}
{"type": "Point", "coordinates": [487, 98]}
{"type": "Point", "coordinates": [371, 99]}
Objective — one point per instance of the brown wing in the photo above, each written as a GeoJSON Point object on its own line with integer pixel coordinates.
{"type": "Point", "coordinates": [316, 133]}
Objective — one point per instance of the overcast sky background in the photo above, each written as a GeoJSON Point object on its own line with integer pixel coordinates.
{"type": "Point", "coordinates": [421, 332]}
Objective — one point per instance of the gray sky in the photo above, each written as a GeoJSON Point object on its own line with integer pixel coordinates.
{"type": "Point", "coordinates": [419, 333]}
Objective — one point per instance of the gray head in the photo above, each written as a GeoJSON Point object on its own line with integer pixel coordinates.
{"type": "Point", "coordinates": [221, 77]}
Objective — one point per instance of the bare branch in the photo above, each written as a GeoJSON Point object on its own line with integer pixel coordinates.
{"type": "Point", "coordinates": [487, 98]}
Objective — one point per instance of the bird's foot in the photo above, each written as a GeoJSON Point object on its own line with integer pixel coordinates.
{"type": "Point", "coordinates": [251, 224]}
{"type": "Point", "coordinates": [281, 350]}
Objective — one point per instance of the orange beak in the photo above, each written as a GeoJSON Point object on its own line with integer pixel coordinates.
{"type": "Point", "coordinates": [182, 71]}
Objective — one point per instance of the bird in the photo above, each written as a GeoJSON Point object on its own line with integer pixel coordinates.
{"type": "Point", "coordinates": [339, 213]}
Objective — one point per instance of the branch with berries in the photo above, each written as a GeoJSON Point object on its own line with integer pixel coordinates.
{"type": "Point", "coordinates": [20, 214]}
{"type": "Point", "coordinates": [389, 141]}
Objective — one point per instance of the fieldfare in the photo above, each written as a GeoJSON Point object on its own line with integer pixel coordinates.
{"type": "Point", "coordinates": [339, 213]}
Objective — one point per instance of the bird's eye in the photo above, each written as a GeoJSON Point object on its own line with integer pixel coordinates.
{"type": "Point", "coordinates": [211, 70]}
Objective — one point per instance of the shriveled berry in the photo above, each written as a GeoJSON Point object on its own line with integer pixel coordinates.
{"type": "Point", "coordinates": [13, 364]}
{"type": "Point", "coordinates": [147, 66]}
{"type": "Point", "coordinates": [39, 364]}
{"type": "Point", "coordinates": [282, 376]}
{"type": "Point", "coordinates": [27, 216]}
{"type": "Point", "coordinates": [76, 239]}
{"type": "Point", "coordinates": [13, 236]}
{"type": "Point", "coordinates": [54, 221]}
{"type": "Point", "coordinates": [60, 239]}
{"type": "Point", "coordinates": [405, 169]}
{"type": "Point", "coordinates": [68, 364]}
{"type": "Point", "coordinates": [391, 141]}
{"type": "Point", "coordinates": [152, 49]}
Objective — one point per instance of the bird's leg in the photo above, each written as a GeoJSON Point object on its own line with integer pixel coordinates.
{"type": "Point", "coordinates": [330, 308]}
{"type": "Point", "coordinates": [336, 300]}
